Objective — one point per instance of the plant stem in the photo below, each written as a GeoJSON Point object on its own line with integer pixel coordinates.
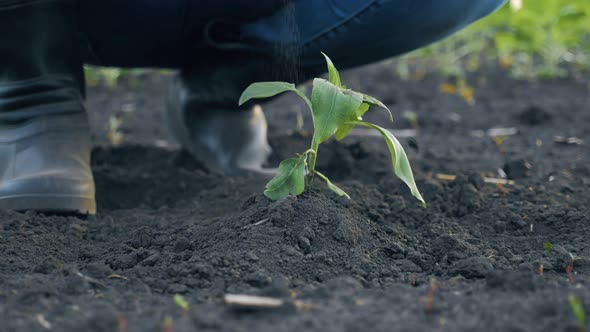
{"type": "Point", "coordinates": [313, 157]}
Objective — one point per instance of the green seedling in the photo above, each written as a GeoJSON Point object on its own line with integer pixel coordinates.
{"type": "Point", "coordinates": [168, 324]}
{"type": "Point", "coordinates": [335, 111]}
{"type": "Point", "coordinates": [434, 285]}
{"type": "Point", "coordinates": [182, 303]}
{"type": "Point", "coordinates": [578, 309]}
{"type": "Point", "coordinates": [548, 247]}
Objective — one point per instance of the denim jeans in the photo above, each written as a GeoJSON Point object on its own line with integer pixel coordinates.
{"type": "Point", "coordinates": [176, 33]}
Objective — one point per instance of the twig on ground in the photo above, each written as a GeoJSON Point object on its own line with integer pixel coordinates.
{"type": "Point", "coordinates": [43, 322]}
{"type": "Point", "coordinates": [91, 280]}
{"type": "Point", "coordinates": [117, 276]}
{"type": "Point", "coordinates": [450, 178]}
{"type": "Point", "coordinates": [568, 140]}
{"type": "Point", "coordinates": [258, 223]}
{"type": "Point", "coordinates": [253, 301]}
{"type": "Point", "coordinates": [263, 302]}
{"type": "Point", "coordinates": [400, 133]}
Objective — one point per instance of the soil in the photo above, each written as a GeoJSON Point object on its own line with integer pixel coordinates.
{"type": "Point", "coordinates": [379, 262]}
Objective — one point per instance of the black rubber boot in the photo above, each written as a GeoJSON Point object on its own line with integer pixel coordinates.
{"type": "Point", "coordinates": [203, 116]}
{"type": "Point", "coordinates": [44, 133]}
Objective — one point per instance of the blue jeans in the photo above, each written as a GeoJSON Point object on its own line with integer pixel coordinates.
{"type": "Point", "coordinates": [176, 33]}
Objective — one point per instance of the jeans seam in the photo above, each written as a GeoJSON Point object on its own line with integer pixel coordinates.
{"type": "Point", "coordinates": [340, 25]}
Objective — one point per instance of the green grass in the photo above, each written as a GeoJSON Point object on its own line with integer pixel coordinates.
{"type": "Point", "coordinates": [545, 38]}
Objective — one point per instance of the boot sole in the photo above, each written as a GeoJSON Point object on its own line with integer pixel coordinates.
{"type": "Point", "coordinates": [59, 204]}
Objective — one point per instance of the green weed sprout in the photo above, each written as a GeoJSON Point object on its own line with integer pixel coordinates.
{"type": "Point", "coordinates": [548, 247]}
{"type": "Point", "coordinates": [578, 309]}
{"type": "Point", "coordinates": [182, 303]}
{"type": "Point", "coordinates": [335, 111]}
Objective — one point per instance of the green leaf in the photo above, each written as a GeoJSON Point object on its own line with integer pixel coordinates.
{"type": "Point", "coordinates": [376, 102]}
{"type": "Point", "coordinates": [331, 108]}
{"type": "Point", "coordinates": [290, 179]}
{"type": "Point", "coordinates": [270, 89]}
{"type": "Point", "coordinates": [399, 159]}
{"type": "Point", "coordinates": [578, 309]}
{"type": "Point", "coordinates": [332, 186]}
{"type": "Point", "coordinates": [181, 302]}
{"type": "Point", "coordinates": [345, 129]}
{"type": "Point", "coordinates": [368, 101]}
{"type": "Point", "coordinates": [548, 247]}
{"type": "Point", "coordinates": [334, 75]}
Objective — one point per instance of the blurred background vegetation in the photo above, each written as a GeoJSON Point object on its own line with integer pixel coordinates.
{"type": "Point", "coordinates": [530, 39]}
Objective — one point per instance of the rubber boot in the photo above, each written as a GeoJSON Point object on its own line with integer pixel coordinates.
{"type": "Point", "coordinates": [203, 116]}
{"type": "Point", "coordinates": [44, 133]}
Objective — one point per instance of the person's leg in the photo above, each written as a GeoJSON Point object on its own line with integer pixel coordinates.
{"type": "Point", "coordinates": [221, 47]}
{"type": "Point", "coordinates": [179, 33]}
{"type": "Point", "coordinates": [156, 33]}
{"type": "Point", "coordinates": [44, 133]}
{"type": "Point", "coordinates": [355, 33]}
{"type": "Point", "coordinates": [287, 46]}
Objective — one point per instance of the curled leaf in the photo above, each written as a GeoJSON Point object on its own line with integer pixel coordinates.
{"type": "Point", "coordinates": [333, 72]}
{"type": "Point", "coordinates": [376, 102]}
{"type": "Point", "coordinates": [270, 89]}
{"type": "Point", "coordinates": [332, 186]}
{"type": "Point", "coordinates": [399, 159]}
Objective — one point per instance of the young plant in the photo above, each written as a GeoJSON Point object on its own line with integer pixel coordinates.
{"type": "Point", "coordinates": [182, 303]}
{"type": "Point", "coordinates": [335, 111]}
{"type": "Point", "coordinates": [578, 309]}
{"type": "Point", "coordinates": [548, 247]}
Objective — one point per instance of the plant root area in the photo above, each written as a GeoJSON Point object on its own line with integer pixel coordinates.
{"type": "Point", "coordinates": [487, 254]}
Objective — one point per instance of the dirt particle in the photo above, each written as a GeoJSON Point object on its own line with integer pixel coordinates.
{"type": "Point", "coordinates": [292, 252]}
{"type": "Point", "coordinates": [252, 257]}
{"type": "Point", "coordinates": [516, 281]}
{"type": "Point", "coordinates": [468, 197]}
{"type": "Point", "coordinates": [151, 260]}
{"type": "Point", "coordinates": [517, 169]}
{"type": "Point", "coordinates": [304, 244]}
{"type": "Point", "coordinates": [98, 270]}
{"type": "Point", "coordinates": [141, 237]}
{"type": "Point", "coordinates": [202, 270]}
{"type": "Point", "coordinates": [182, 244]}
{"type": "Point", "coordinates": [257, 279]}
{"type": "Point", "coordinates": [472, 267]}
{"type": "Point", "coordinates": [395, 251]}
{"type": "Point", "coordinates": [122, 261]}
{"type": "Point", "coordinates": [534, 115]}
{"type": "Point", "coordinates": [177, 289]}
{"type": "Point", "coordinates": [282, 212]}
{"type": "Point", "coordinates": [46, 266]}
{"type": "Point", "coordinates": [423, 261]}
{"type": "Point", "coordinates": [408, 266]}
{"type": "Point", "coordinates": [347, 232]}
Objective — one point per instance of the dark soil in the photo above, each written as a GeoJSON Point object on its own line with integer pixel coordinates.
{"type": "Point", "coordinates": [167, 226]}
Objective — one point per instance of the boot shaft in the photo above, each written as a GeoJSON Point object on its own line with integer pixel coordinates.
{"type": "Point", "coordinates": [41, 70]}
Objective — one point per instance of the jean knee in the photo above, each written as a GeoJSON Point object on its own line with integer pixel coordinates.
{"type": "Point", "coordinates": [415, 23]}
{"type": "Point", "coordinates": [480, 9]}
{"type": "Point", "coordinates": [460, 13]}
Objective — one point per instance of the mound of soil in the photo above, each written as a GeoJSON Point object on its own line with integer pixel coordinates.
{"type": "Point", "coordinates": [478, 258]}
